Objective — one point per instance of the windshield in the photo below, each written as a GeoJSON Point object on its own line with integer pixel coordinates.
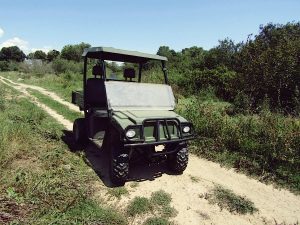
{"type": "Point", "coordinates": [139, 96]}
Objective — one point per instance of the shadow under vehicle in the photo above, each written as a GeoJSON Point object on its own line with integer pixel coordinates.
{"type": "Point", "coordinates": [131, 118]}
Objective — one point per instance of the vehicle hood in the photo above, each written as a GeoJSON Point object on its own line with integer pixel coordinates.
{"type": "Point", "coordinates": [134, 117]}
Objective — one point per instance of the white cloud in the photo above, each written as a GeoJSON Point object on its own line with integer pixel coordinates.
{"type": "Point", "coordinates": [45, 49]}
{"type": "Point", "coordinates": [1, 32]}
{"type": "Point", "coordinates": [22, 44]}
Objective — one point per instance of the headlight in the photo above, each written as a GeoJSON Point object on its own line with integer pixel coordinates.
{"type": "Point", "coordinates": [186, 129]}
{"type": "Point", "coordinates": [130, 133]}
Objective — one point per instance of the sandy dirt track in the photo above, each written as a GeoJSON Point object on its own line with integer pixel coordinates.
{"type": "Point", "coordinates": [275, 206]}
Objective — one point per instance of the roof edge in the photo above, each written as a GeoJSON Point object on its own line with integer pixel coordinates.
{"type": "Point", "coordinates": [99, 51]}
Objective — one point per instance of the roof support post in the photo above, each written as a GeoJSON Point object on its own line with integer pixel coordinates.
{"type": "Point", "coordinates": [164, 69]}
{"type": "Point", "coordinates": [84, 80]}
{"type": "Point", "coordinates": [140, 72]}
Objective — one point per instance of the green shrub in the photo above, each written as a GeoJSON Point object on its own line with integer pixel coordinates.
{"type": "Point", "coordinates": [264, 144]}
{"type": "Point", "coordinates": [62, 66]}
{"type": "Point", "coordinates": [4, 66]}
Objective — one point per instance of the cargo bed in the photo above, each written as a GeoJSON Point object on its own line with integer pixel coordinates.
{"type": "Point", "coordinates": [77, 99]}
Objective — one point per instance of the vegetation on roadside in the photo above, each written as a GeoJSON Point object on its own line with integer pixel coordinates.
{"type": "Point", "coordinates": [227, 199]}
{"type": "Point", "coordinates": [265, 144]}
{"type": "Point", "coordinates": [194, 179]}
{"type": "Point", "coordinates": [157, 205]}
{"type": "Point", "coordinates": [58, 107]}
{"type": "Point", "coordinates": [139, 205]}
{"type": "Point", "coordinates": [157, 221]}
{"type": "Point", "coordinates": [41, 181]}
{"type": "Point", "coordinates": [118, 192]}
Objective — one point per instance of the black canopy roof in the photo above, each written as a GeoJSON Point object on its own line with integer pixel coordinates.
{"type": "Point", "coordinates": [113, 54]}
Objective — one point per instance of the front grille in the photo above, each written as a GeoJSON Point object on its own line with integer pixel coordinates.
{"type": "Point", "coordinates": [161, 129]}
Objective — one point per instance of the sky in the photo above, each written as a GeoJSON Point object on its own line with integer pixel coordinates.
{"type": "Point", "coordinates": [141, 25]}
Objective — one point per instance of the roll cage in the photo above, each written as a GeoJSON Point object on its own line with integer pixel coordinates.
{"type": "Point", "coordinates": [113, 54]}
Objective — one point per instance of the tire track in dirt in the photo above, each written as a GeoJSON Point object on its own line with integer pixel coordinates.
{"type": "Point", "coordinates": [43, 91]}
{"type": "Point", "coordinates": [21, 88]}
{"type": "Point", "coordinates": [275, 206]}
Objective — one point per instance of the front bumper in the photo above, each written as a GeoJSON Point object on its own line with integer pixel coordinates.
{"type": "Point", "coordinates": [162, 131]}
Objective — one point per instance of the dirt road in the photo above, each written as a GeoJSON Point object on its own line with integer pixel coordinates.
{"type": "Point", "coordinates": [275, 206]}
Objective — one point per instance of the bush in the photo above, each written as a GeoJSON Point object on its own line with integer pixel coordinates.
{"type": "Point", "coordinates": [8, 66]}
{"type": "Point", "coordinates": [221, 79]}
{"type": "Point", "coordinates": [4, 66]}
{"type": "Point", "coordinates": [266, 145]}
{"type": "Point", "coordinates": [62, 66]}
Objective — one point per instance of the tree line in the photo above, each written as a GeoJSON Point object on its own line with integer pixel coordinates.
{"type": "Point", "coordinates": [264, 69]}
{"type": "Point", "coordinates": [68, 52]}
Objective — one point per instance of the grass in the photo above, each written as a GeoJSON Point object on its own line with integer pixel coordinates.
{"type": "Point", "coordinates": [41, 181]}
{"type": "Point", "coordinates": [194, 179]}
{"type": "Point", "coordinates": [58, 107]}
{"type": "Point", "coordinates": [134, 184]}
{"type": "Point", "coordinates": [161, 202]}
{"type": "Point", "coordinates": [118, 192]}
{"type": "Point", "coordinates": [160, 198]}
{"type": "Point", "coordinates": [227, 199]}
{"type": "Point", "coordinates": [86, 212]}
{"type": "Point", "coordinates": [158, 205]}
{"type": "Point", "coordinates": [156, 221]}
{"type": "Point", "coordinates": [62, 84]}
{"type": "Point", "coordinates": [139, 205]}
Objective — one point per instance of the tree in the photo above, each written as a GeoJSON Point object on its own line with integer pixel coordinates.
{"type": "Point", "coordinates": [30, 55]}
{"type": "Point", "coordinates": [269, 64]}
{"type": "Point", "coordinates": [39, 54]}
{"type": "Point", "coordinates": [12, 53]}
{"type": "Point", "coordinates": [74, 52]}
{"type": "Point", "coordinates": [222, 55]}
{"type": "Point", "coordinates": [53, 54]}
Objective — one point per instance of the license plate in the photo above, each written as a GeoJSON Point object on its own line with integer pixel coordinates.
{"type": "Point", "coordinates": [159, 148]}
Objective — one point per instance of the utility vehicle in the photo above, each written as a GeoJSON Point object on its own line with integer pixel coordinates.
{"type": "Point", "coordinates": [137, 118]}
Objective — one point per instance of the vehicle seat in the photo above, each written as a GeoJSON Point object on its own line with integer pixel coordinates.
{"type": "Point", "coordinates": [129, 73]}
{"type": "Point", "coordinates": [95, 93]}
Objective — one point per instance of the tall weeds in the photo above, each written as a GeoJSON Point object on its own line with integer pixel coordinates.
{"type": "Point", "coordinates": [264, 144]}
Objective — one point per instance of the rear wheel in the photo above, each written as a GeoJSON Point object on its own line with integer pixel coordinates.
{"type": "Point", "coordinates": [177, 161]}
{"type": "Point", "coordinates": [79, 131]}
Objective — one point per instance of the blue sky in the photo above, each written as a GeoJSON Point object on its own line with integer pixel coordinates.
{"type": "Point", "coordinates": [136, 24]}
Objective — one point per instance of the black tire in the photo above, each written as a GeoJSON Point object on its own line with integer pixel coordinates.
{"type": "Point", "coordinates": [178, 161]}
{"type": "Point", "coordinates": [79, 131]}
{"type": "Point", "coordinates": [119, 169]}
{"type": "Point", "coordinates": [119, 161]}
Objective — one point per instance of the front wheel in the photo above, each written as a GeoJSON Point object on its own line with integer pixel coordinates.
{"type": "Point", "coordinates": [177, 161]}
{"type": "Point", "coordinates": [119, 169]}
{"type": "Point", "coordinates": [119, 160]}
